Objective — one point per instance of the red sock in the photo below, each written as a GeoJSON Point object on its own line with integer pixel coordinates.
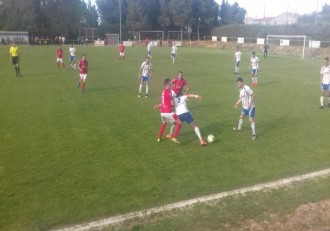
{"type": "Point", "coordinates": [161, 130]}
{"type": "Point", "coordinates": [177, 130]}
{"type": "Point", "coordinates": [83, 86]}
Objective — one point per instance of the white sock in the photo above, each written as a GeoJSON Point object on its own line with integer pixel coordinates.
{"type": "Point", "coordinates": [238, 70]}
{"type": "Point", "coordinates": [147, 89]}
{"type": "Point", "coordinates": [198, 133]}
{"type": "Point", "coordinates": [172, 128]}
{"type": "Point", "coordinates": [74, 66]}
{"type": "Point", "coordinates": [256, 80]}
{"type": "Point", "coordinates": [321, 100]}
{"type": "Point", "coordinates": [240, 123]}
{"type": "Point", "coordinates": [140, 89]}
{"type": "Point", "coordinates": [253, 126]}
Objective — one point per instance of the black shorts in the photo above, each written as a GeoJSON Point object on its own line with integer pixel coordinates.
{"type": "Point", "coordinates": [14, 60]}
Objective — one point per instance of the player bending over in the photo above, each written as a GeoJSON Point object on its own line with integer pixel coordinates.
{"type": "Point", "coordinates": [166, 113]}
{"type": "Point", "coordinates": [246, 97]}
{"type": "Point", "coordinates": [181, 109]}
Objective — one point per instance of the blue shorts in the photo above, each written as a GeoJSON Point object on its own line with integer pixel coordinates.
{"type": "Point", "coordinates": [173, 55]}
{"type": "Point", "coordinates": [237, 63]}
{"type": "Point", "coordinates": [186, 117]}
{"type": "Point", "coordinates": [145, 78]}
{"type": "Point", "coordinates": [325, 87]}
{"type": "Point", "coordinates": [250, 113]}
{"type": "Point", "coordinates": [72, 58]}
{"type": "Point", "coordinates": [254, 72]}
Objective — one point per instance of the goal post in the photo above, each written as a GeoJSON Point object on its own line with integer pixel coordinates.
{"type": "Point", "coordinates": [151, 35]}
{"type": "Point", "coordinates": [286, 40]}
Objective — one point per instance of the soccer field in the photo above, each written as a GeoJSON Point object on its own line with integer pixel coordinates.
{"type": "Point", "coordinates": [67, 157]}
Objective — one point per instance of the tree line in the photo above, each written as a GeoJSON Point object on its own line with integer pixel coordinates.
{"type": "Point", "coordinates": [68, 17]}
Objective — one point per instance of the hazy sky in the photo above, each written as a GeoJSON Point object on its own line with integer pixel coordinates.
{"type": "Point", "coordinates": [257, 8]}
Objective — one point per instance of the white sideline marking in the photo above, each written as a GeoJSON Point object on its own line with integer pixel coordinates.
{"type": "Point", "coordinates": [121, 218]}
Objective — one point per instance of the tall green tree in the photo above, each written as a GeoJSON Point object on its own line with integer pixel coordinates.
{"type": "Point", "coordinates": [231, 14]}
{"type": "Point", "coordinates": [142, 14]}
{"type": "Point", "coordinates": [164, 18]}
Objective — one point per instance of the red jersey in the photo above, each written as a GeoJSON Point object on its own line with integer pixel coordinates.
{"type": "Point", "coordinates": [121, 48]}
{"type": "Point", "coordinates": [83, 66]}
{"type": "Point", "coordinates": [178, 84]}
{"type": "Point", "coordinates": [59, 53]}
{"type": "Point", "coordinates": [166, 105]}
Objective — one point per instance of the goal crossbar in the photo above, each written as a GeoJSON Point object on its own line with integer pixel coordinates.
{"type": "Point", "coordinates": [290, 36]}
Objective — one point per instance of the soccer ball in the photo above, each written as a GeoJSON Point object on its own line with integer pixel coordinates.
{"type": "Point", "coordinates": [210, 138]}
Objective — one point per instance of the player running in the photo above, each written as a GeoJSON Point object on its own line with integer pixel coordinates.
{"type": "Point", "coordinates": [72, 57]}
{"type": "Point", "coordinates": [121, 52]}
{"type": "Point", "coordinates": [145, 74]}
{"type": "Point", "coordinates": [166, 113]}
{"type": "Point", "coordinates": [325, 81]}
{"type": "Point", "coordinates": [174, 50]}
{"type": "Point", "coordinates": [83, 70]}
{"type": "Point", "coordinates": [181, 109]}
{"type": "Point", "coordinates": [14, 58]}
{"type": "Point", "coordinates": [254, 65]}
{"type": "Point", "coordinates": [59, 58]}
{"type": "Point", "coordinates": [178, 84]}
{"type": "Point", "coordinates": [237, 58]}
{"type": "Point", "coordinates": [246, 97]}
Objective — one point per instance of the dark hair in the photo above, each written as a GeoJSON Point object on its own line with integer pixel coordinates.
{"type": "Point", "coordinates": [167, 81]}
{"type": "Point", "coordinates": [239, 79]}
{"type": "Point", "coordinates": [253, 53]}
{"type": "Point", "coordinates": [326, 59]}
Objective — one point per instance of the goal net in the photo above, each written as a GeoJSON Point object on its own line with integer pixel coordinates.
{"type": "Point", "coordinates": [151, 35]}
{"type": "Point", "coordinates": [288, 41]}
{"type": "Point", "coordinates": [177, 35]}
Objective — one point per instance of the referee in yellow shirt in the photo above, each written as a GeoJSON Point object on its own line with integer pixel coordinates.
{"type": "Point", "coordinates": [14, 56]}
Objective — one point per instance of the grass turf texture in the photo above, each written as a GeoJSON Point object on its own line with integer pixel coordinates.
{"type": "Point", "coordinates": [67, 157]}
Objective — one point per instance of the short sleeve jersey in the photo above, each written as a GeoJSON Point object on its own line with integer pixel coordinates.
{"type": "Point", "coordinates": [238, 56]}
{"type": "Point", "coordinates": [146, 69]}
{"type": "Point", "coordinates": [166, 105]}
{"type": "Point", "coordinates": [121, 48]}
{"type": "Point", "coordinates": [325, 71]}
{"type": "Point", "coordinates": [180, 104]}
{"type": "Point", "coordinates": [83, 65]}
{"type": "Point", "coordinates": [72, 51]}
{"type": "Point", "coordinates": [14, 51]}
{"type": "Point", "coordinates": [178, 85]}
{"type": "Point", "coordinates": [245, 95]}
{"type": "Point", "coordinates": [174, 49]}
{"type": "Point", "coordinates": [59, 53]}
{"type": "Point", "coordinates": [254, 62]}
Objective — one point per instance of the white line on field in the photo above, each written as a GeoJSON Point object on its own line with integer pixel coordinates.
{"type": "Point", "coordinates": [179, 205]}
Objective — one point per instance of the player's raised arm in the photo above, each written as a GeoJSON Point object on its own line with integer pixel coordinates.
{"type": "Point", "coordinates": [194, 96]}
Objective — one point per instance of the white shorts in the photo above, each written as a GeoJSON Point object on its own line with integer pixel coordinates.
{"type": "Point", "coordinates": [58, 60]}
{"type": "Point", "coordinates": [168, 117]}
{"type": "Point", "coordinates": [83, 76]}
{"type": "Point", "coordinates": [121, 54]}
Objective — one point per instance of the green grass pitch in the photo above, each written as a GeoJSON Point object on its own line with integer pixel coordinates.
{"type": "Point", "coordinates": [67, 157]}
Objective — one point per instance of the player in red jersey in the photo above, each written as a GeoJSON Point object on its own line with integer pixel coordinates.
{"type": "Point", "coordinates": [178, 83]}
{"type": "Point", "coordinates": [59, 58]}
{"type": "Point", "coordinates": [83, 69]}
{"type": "Point", "coordinates": [121, 52]}
{"type": "Point", "coordinates": [166, 112]}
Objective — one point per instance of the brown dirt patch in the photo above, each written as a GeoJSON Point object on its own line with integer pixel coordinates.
{"type": "Point", "coordinates": [309, 217]}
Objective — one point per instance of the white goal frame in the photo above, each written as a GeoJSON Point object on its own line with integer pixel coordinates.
{"type": "Point", "coordinates": [290, 36]}
{"type": "Point", "coordinates": [151, 32]}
